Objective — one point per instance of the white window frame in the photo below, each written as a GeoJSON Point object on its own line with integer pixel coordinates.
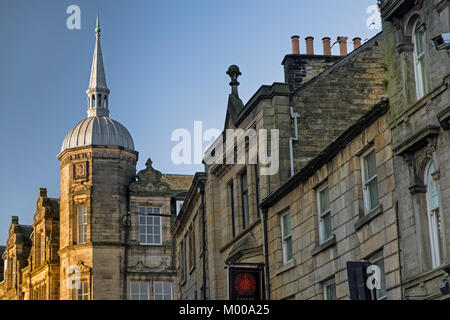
{"type": "Point", "coordinates": [82, 224]}
{"type": "Point", "coordinates": [419, 60]}
{"type": "Point", "coordinates": [365, 188]}
{"type": "Point", "coordinates": [321, 215]}
{"type": "Point", "coordinates": [285, 237]}
{"type": "Point", "coordinates": [140, 294]}
{"type": "Point", "coordinates": [163, 292]}
{"type": "Point", "coordinates": [146, 217]}
{"type": "Point", "coordinates": [325, 285]}
{"type": "Point", "coordinates": [435, 236]}
{"type": "Point", "coordinates": [83, 292]}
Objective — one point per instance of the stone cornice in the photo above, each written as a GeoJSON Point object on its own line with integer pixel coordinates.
{"type": "Point", "coordinates": [392, 8]}
{"type": "Point", "coordinates": [415, 141]}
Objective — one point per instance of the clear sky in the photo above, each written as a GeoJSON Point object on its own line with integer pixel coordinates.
{"type": "Point", "coordinates": [165, 63]}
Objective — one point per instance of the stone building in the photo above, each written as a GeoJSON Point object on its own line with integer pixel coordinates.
{"type": "Point", "coordinates": [316, 91]}
{"type": "Point", "coordinates": [418, 87]}
{"type": "Point", "coordinates": [191, 248]}
{"type": "Point", "coordinates": [108, 235]}
{"type": "Point", "coordinates": [15, 258]}
{"type": "Point", "coordinates": [39, 280]}
{"type": "Point", "coordinates": [339, 207]}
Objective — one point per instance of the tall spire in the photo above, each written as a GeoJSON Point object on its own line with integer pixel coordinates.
{"type": "Point", "coordinates": [98, 91]}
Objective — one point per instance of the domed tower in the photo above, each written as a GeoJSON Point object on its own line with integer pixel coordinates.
{"type": "Point", "coordinates": [98, 163]}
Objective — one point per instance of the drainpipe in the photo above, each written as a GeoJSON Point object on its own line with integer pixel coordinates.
{"type": "Point", "coordinates": [201, 190]}
{"type": "Point", "coordinates": [266, 253]}
{"type": "Point", "coordinates": [294, 116]}
{"type": "Point", "coordinates": [126, 225]}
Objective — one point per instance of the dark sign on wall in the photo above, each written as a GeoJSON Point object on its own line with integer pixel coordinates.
{"type": "Point", "coordinates": [357, 278]}
{"type": "Point", "coordinates": [245, 283]}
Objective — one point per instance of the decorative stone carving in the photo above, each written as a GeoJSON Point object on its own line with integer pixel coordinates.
{"type": "Point", "coordinates": [141, 267]}
{"type": "Point", "coordinates": [149, 180]}
{"type": "Point", "coordinates": [414, 183]}
{"type": "Point", "coordinates": [80, 170]}
{"type": "Point", "coordinates": [79, 188]}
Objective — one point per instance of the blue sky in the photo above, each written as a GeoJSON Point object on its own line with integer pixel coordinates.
{"type": "Point", "coordinates": [165, 65]}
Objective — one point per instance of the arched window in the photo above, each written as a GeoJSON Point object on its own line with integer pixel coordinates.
{"type": "Point", "coordinates": [434, 216]}
{"type": "Point", "coordinates": [418, 39]}
{"type": "Point", "coordinates": [93, 101]}
{"type": "Point", "coordinates": [99, 102]}
{"type": "Point", "coordinates": [105, 102]}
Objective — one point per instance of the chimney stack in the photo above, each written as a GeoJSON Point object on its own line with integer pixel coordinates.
{"type": "Point", "coordinates": [356, 43]}
{"type": "Point", "coordinates": [14, 220]}
{"type": "Point", "coordinates": [326, 46]}
{"type": "Point", "coordinates": [295, 44]}
{"type": "Point", "coordinates": [309, 45]}
{"type": "Point", "coordinates": [342, 45]}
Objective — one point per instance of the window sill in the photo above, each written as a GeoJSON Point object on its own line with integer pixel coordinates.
{"type": "Point", "coordinates": [368, 217]}
{"type": "Point", "coordinates": [323, 246]}
{"type": "Point", "coordinates": [286, 267]}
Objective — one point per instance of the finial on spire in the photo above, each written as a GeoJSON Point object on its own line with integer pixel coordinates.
{"type": "Point", "coordinates": [97, 27]}
{"type": "Point", "coordinates": [234, 73]}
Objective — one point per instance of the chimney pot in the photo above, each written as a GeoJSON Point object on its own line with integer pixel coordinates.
{"type": "Point", "coordinates": [326, 46]}
{"type": "Point", "coordinates": [295, 44]}
{"type": "Point", "coordinates": [309, 45]}
{"type": "Point", "coordinates": [342, 45]}
{"type": "Point", "coordinates": [356, 43]}
{"type": "Point", "coordinates": [14, 220]}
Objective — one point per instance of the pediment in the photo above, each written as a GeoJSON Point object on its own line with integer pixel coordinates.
{"type": "Point", "coordinates": [149, 180]}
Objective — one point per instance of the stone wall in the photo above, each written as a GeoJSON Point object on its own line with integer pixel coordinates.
{"type": "Point", "coordinates": [356, 236]}
{"type": "Point", "coordinates": [328, 104]}
{"type": "Point", "coordinates": [420, 134]}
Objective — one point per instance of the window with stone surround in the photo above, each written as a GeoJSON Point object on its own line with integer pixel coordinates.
{"type": "Point", "coordinates": [150, 228]}
{"type": "Point", "coordinates": [42, 247]}
{"type": "Point", "coordinates": [434, 216]}
{"type": "Point", "coordinates": [139, 290]}
{"type": "Point", "coordinates": [5, 268]}
{"type": "Point", "coordinates": [324, 213]}
{"type": "Point", "coordinates": [329, 290]}
{"type": "Point", "coordinates": [231, 204]}
{"type": "Point", "coordinates": [257, 188]}
{"type": "Point", "coordinates": [369, 180]}
{"type": "Point", "coordinates": [191, 248]}
{"type": "Point", "coordinates": [81, 293]}
{"type": "Point", "coordinates": [244, 198]}
{"type": "Point", "coordinates": [163, 291]}
{"type": "Point", "coordinates": [286, 237]}
{"type": "Point", "coordinates": [183, 259]}
{"type": "Point", "coordinates": [13, 272]}
{"type": "Point", "coordinates": [378, 260]}
{"type": "Point", "coordinates": [418, 40]}
{"type": "Point", "coordinates": [82, 222]}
